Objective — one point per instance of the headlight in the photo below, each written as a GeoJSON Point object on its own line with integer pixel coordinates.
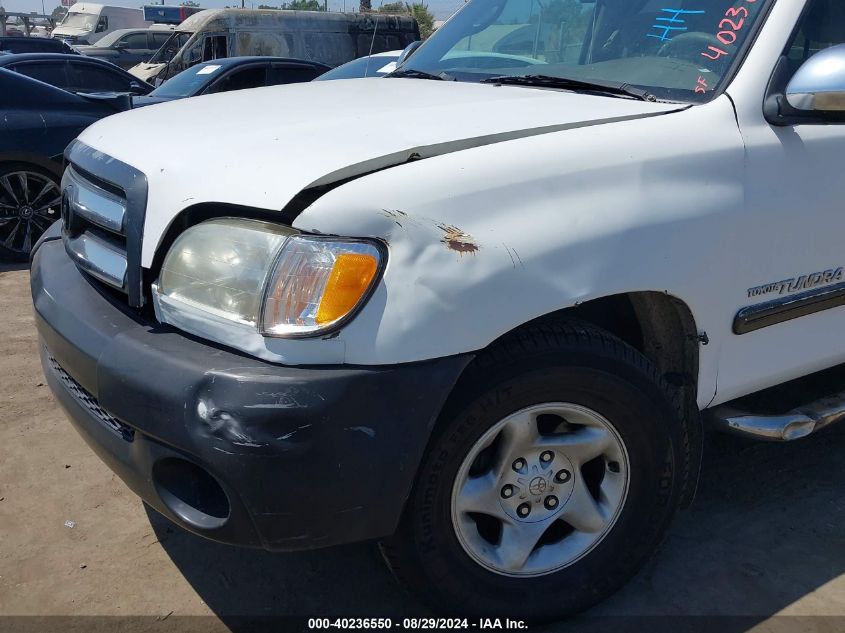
{"type": "Point", "coordinates": [267, 276]}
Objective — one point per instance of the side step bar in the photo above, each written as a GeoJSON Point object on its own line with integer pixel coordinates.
{"type": "Point", "coordinates": [793, 425]}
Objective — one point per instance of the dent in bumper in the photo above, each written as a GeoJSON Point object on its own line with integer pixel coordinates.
{"type": "Point", "coordinates": [306, 456]}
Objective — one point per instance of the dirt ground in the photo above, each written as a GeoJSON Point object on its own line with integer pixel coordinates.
{"type": "Point", "coordinates": [764, 538]}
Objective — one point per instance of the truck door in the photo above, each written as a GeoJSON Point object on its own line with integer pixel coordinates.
{"type": "Point", "coordinates": [133, 49]}
{"type": "Point", "coordinates": [792, 232]}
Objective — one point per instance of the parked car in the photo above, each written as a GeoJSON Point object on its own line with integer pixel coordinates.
{"type": "Point", "coordinates": [128, 47]}
{"type": "Point", "coordinates": [75, 73]}
{"type": "Point", "coordinates": [377, 65]}
{"type": "Point", "coordinates": [480, 310]}
{"type": "Point", "coordinates": [34, 45]}
{"type": "Point", "coordinates": [39, 121]}
{"type": "Point", "coordinates": [86, 22]}
{"type": "Point", "coordinates": [232, 73]}
{"type": "Point", "coordinates": [328, 38]}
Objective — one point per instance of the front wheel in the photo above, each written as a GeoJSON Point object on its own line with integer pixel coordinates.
{"type": "Point", "coordinates": [30, 201]}
{"type": "Point", "coordinates": [551, 480]}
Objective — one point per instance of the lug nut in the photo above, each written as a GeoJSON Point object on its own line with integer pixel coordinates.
{"type": "Point", "coordinates": [563, 476]}
{"type": "Point", "coordinates": [613, 467]}
{"type": "Point", "coordinates": [507, 491]}
{"type": "Point", "coordinates": [551, 503]}
{"type": "Point", "coordinates": [518, 464]}
{"type": "Point", "coordinates": [546, 456]}
{"type": "Point", "coordinates": [524, 510]}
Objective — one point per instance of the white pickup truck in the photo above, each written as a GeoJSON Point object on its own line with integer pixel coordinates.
{"type": "Point", "coordinates": [480, 309]}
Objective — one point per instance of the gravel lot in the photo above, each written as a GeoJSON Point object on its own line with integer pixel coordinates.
{"type": "Point", "coordinates": [765, 536]}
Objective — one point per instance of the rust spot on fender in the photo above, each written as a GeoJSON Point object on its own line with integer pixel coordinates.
{"type": "Point", "coordinates": [456, 240]}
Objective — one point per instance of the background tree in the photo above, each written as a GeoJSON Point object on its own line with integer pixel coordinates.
{"type": "Point", "coordinates": [365, 6]}
{"type": "Point", "coordinates": [417, 10]}
{"type": "Point", "coordinates": [394, 8]}
{"type": "Point", "coordinates": [189, 3]}
{"type": "Point", "coordinates": [425, 18]}
{"type": "Point", "coordinates": [304, 5]}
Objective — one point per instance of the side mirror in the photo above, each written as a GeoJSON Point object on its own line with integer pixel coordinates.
{"type": "Point", "coordinates": [409, 50]}
{"type": "Point", "coordinates": [819, 85]}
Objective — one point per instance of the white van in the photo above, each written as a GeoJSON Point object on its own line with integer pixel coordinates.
{"type": "Point", "coordinates": [328, 38]}
{"type": "Point", "coordinates": [85, 23]}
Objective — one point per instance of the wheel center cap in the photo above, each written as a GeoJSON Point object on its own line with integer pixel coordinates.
{"type": "Point", "coordinates": [26, 212]}
{"type": "Point", "coordinates": [537, 486]}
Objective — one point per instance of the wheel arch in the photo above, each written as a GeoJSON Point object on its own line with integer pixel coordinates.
{"type": "Point", "coordinates": [660, 326]}
{"type": "Point", "coordinates": [54, 166]}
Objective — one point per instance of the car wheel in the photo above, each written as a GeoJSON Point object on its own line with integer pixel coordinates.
{"type": "Point", "coordinates": [551, 479]}
{"type": "Point", "coordinates": [30, 201]}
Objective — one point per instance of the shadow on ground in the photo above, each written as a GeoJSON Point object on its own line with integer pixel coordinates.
{"type": "Point", "coordinates": [8, 267]}
{"type": "Point", "coordinates": [764, 531]}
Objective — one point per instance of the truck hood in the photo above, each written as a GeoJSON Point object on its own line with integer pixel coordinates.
{"type": "Point", "coordinates": [70, 30]}
{"type": "Point", "coordinates": [146, 71]}
{"type": "Point", "coordinates": [261, 147]}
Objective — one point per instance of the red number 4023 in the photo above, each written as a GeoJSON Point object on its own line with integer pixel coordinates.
{"type": "Point", "coordinates": [734, 21]}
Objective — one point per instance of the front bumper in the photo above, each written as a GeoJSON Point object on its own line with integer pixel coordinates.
{"type": "Point", "coordinates": [225, 445]}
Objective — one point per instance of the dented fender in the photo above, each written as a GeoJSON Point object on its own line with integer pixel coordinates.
{"type": "Point", "coordinates": [486, 239]}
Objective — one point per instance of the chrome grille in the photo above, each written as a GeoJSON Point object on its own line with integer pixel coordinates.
{"type": "Point", "coordinates": [94, 221]}
{"type": "Point", "coordinates": [89, 402]}
{"type": "Point", "coordinates": [104, 203]}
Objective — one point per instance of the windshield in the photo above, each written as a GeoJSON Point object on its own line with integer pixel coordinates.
{"type": "Point", "coordinates": [374, 66]}
{"type": "Point", "coordinates": [188, 82]}
{"type": "Point", "coordinates": [170, 47]}
{"type": "Point", "coordinates": [84, 21]}
{"type": "Point", "coordinates": [675, 49]}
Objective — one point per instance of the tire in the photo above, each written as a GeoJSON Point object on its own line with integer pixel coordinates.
{"type": "Point", "coordinates": [30, 201]}
{"type": "Point", "coordinates": [452, 554]}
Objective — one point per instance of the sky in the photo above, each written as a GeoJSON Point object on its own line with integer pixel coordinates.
{"type": "Point", "coordinates": [442, 9]}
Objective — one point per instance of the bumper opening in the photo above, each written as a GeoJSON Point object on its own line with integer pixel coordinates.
{"type": "Point", "coordinates": [191, 493]}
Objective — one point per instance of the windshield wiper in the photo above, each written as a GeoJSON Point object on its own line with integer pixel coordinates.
{"type": "Point", "coordinates": [419, 74]}
{"type": "Point", "coordinates": [550, 81]}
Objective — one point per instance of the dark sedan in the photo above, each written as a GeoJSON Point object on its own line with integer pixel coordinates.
{"type": "Point", "coordinates": [233, 73]}
{"type": "Point", "coordinates": [37, 122]}
{"type": "Point", "coordinates": [75, 73]}
{"type": "Point", "coordinates": [127, 47]}
{"type": "Point", "coordinates": [16, 45]}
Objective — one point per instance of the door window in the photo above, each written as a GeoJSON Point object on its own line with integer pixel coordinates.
{"type": "Point", "coordinates": [90, 78]}
{"type": "Point", "coordinates": [159, 39]}
{"type": "Point", "coordinates": [214, 47]}
{"type": "Point", "coordinates": [291, 74]}
{"type": "Point", "coordinates": [53, 73]}
{"type": "Point", "coordinates": [102, 24]}
{"type": "Point", "coordinates": [253, 77]}
{"type": "Point", "coordinates": [135, 40]}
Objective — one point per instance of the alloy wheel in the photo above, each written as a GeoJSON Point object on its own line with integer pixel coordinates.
{"type": "Point", "coordinates": [29, 203]}
{"type": "Point", "coordinates": [540, 489]}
